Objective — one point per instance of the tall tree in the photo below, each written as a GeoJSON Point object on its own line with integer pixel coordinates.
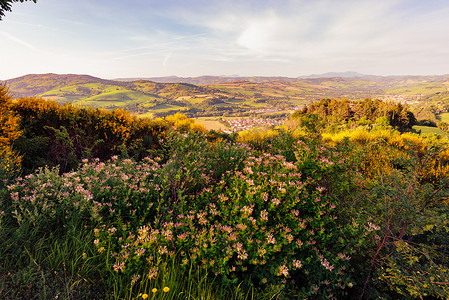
{"type": "Point", "coordinates": [5, 5]}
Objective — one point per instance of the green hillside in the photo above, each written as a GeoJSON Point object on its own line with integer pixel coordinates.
{"type": "Point", "coordinates": [213, 96]}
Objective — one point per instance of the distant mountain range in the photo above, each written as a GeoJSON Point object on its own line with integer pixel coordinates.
{"type": "Point", "coordinates": [337, 74]}
{"type": "Point", "coordinates": [204, 80]}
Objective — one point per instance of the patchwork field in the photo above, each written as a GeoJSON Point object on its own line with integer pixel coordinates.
{"type": "Point", "coordinates": [214, 97]}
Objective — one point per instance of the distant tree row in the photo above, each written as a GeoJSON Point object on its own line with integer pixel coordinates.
{"type": "Point", "coordinates": [343, 111]}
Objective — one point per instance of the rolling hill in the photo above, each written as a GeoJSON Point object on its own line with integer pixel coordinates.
{"type": "Point", "coordinates": [233, 96]}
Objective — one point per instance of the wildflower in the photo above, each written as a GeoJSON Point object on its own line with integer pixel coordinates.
{"type": "Point", "coordinates": [162, 249]}
{"type": "Point", "coordinates": [247, 210]}
{"type": "Point", "coordinates": [242, 255]}
{"type": "Point", "coordinates": [289, 165]}
{"type": "Point", "coordinates": [135, 278]}
{"type": "Point", "coordinates": [119, 266]}
{"type": "Point", "coordinates": [248, 170]}
{"type": "Point", "coordinates": [270, 239]}
{"type": "Point", "coordinates": [325, 263]}
{"type": "Point", "coordinates": [283, 270]}
{"type": "Point", "coordinates": [240, 226]}
{"type": "Point", "coordinates": [139, 251]}
{"type": "Point", "coordinates": [372, 227]}
{"type": "Point", "coordinates": [297, 264]}
{"type": "Point", "coordinates": [265, 196]}
{"type": "Point", "coordinates": [166, 289]}
{"type": "Point", "coordinates": [344, 256]}
{"type": "Point", "coordinates": [154, 290]}
{"type": "Point", "coordinates": [144, 296]}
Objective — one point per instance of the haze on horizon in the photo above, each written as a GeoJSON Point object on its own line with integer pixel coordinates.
{"type": "Point", "coordinates": [138, 38]}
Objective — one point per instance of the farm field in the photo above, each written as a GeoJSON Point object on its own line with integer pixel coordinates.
{"type": "Point", "coordinates": [443, 117]}
{"type": "Point", "coordinates": [211, 124]}
{"type": "Point", "coordinates": [430, 130]}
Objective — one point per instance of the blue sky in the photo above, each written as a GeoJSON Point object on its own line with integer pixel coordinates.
{"type": "Point", "coordinates": [145, 38]}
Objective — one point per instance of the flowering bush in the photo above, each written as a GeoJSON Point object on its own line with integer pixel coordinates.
{"type": "Point", "coordinates": [299, 224]}
{"type": "Point", "coordinates": [259, 219]}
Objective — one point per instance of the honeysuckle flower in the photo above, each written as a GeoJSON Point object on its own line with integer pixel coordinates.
{"type": "Point", "coordinates": [283, 270]}
{"type": "Point", "coordinates": [297, 264]}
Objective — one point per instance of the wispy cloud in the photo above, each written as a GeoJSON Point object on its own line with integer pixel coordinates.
{"type": "Point", "coordinates": [17, 40]}
{"type": "Point", "coordinates": [287, 37]}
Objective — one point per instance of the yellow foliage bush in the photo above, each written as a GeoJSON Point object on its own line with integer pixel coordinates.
{"type": "Point", "coordinates": [382, 149]}
{"type": "Point", "coordinates": [9, 131]}
{"type": "Point", "coordinates": [256, 137]}
{"type": "Point", "coordinates": [180, 122]}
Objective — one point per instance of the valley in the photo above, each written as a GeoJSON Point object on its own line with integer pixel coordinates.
{"type": "Point", "coordinates": [221, 99]}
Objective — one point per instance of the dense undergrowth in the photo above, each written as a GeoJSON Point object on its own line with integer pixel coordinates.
{"type": "Point", "coordinates": [122, 208]}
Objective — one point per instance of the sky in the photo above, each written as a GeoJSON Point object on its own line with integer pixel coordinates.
{"type": "Point", "coordinates": [148, 38]}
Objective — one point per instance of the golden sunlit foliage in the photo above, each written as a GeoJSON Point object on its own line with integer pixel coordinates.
{"type": "Point", "coordinates": [9, 122]}
{"type": "Point", "coordinates": [181, 123]}
{"type": "Point", "coordinates": [10, 161]}
{"type": "Point", "coordinates": [64, 135]}
{"type": "Point", "coordinates": [374, 111]}
{"type": "Point", "coordinates": [256, 137]}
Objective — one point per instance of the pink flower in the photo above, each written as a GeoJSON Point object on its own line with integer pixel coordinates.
{"type": "Point", "coordinates": [297, 264]}
{"type": "Point", "coordinates": [283, 271]}
{"type": "Point", "coordinates": [119, 266]}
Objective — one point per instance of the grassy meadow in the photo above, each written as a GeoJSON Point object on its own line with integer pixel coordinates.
{"type": "Point", "coordinates": [444, 117]}
{"type": "Point", "coordinates": [430, 130]}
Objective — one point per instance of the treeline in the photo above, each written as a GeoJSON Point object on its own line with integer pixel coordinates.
{"type": "Point", "coordinates": [361, 112]}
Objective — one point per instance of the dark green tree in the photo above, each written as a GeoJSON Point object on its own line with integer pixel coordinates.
{"type": "Point", "coordinates": [5, 5]}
